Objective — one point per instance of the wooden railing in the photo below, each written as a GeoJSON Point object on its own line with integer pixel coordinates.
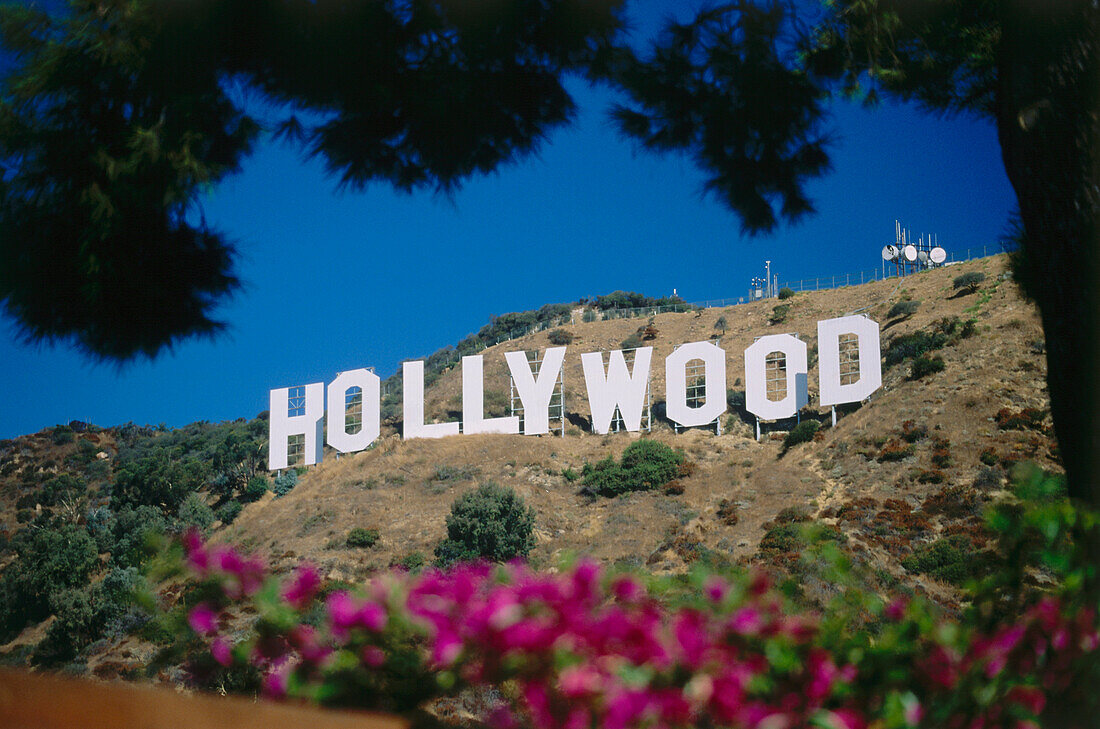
{"type": "Point", "coordinates": [39, 701]}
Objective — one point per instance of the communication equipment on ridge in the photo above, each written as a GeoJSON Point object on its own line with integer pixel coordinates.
{"type": "Point", "coordinates": [937, 255]}
{"type": "Point", "coordinates": [922, 256]}
{"type": "Point", "coordinates": [889, 252]}
{"type": "Point", "coordinates": [910, 252]}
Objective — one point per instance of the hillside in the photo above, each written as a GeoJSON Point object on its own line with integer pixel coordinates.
{"type": "Point", "coordinates": [404, 489]}
{"type": "Point", "coordinates": [908, 469]}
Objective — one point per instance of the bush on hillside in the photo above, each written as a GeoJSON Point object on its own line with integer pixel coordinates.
{"type": "Point", "coordinates": [362, 538]}
{"type": "Point", "coordinates": [721, 324]}
{"type": "Point", "coordinates": [194, 512]}
{"type": "Point", "coordinates": [903, 310]}
{"type": "Point", "coordinates": [969, 281]}
{"type": "Point", "coordinates": [646, 465]}
{"type": "Point", "coordinates": [925, 365]}
{"type": "Point", "coordinates": [285, 482]}
{"type": "Point", "coordinates": [49, 561]}
{"type": "Point", "coordinates": [786, 292]}
{"type": "Point", "coordinates": [560, 337]}
{"type": "Point", "coordinates": [632, 342]}
{"type": "Point", "coordinates": [779, 314]}
{"type": "Point", "coordinates": [229, 511]}
{"type": "Point", "coordinates": [256, 488]}
{"type": "Point", "coordinates": [804, 432]}
{"type": "Point", "coordinates": [491, 523]}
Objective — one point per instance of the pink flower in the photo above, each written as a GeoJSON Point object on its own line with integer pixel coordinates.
{"type": "Point", "coordinates": [342, 612]}
{"type": "Point", "coordinates": [373, 656]}
{"type": "Point", "coordinates": [202, 619]}
{"type": "Point", "coordinates": [715, 588]}
{"type": "Point", "coordinates": [896, 609]}
{"type": "Point", "coordinates": [746, 621]}
{"type": "Point", "coordinates": [371, 616]}
{"type": "Point", "coordinates": [626, 589]}
{"type": "Point", "coordinates": [219, 649]}
{"type": "Point", "coordinates": [303, 586]}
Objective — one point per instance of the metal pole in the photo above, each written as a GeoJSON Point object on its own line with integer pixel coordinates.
{"type": "Point", "coordinates": [758, 428]}
{"type": "Point", "coordinates": [834, 415]}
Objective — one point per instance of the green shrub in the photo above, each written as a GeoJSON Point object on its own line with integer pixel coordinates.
{"type": "Point", "coordinates": [194, 512]}
{"type": "Point", "coordinates": [903, 309]}
{"type": "Point", "coordinates": [412, 562]}
{"type": "Point", "coordinates": [229, 511]}
{"type": "Point", "coordinates": [925, 365]}
{"type": "Point", "coordinates": [560, 337]}
{"type": "Point", "coordinates": [284, 483]}
{"type": "Point", "coordinates": [721, 324]}
{"type": "Point", "coordinates": [569, 474]}
{"type": "Point", "coordinates": [136, 534]}
{"type": "Point", "coordinates": [786, 293]}
{"type": "Point", "coordinates": [950, 559]}
{"type": "Point", "coordinates": [490, 523]}
{"type": "Point", "coordinates": [646, 465]}
{"type": "Point", "coordinates": [362, 538]}
{"type": "Point", "coordinates": [62, 434]}
{"type": "Point", "coordinates": [969, 281]}
{"type": "Point", "coordinates": [447, 472]}
{"type": "Point", "coordinates": [632, 342]}
{"type": "Point", "coordinates": [49, 561]}
{"type": "Point", "coordinates": [802, 433]}
{"type": "Point", "coordinates": [256, 488]}
{"type": "Point", "coordinates": [779, 314]}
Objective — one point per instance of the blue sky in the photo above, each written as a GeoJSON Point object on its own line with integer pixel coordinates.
{"type": "Point", "coordinates": [336, 280]}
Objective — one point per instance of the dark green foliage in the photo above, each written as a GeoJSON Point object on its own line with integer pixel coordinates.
{"type": "Point", "coordinates": [445, 472]}
{"type": "Point", "coordinates": [944, 332]}
{"type": "Point", "coordinates": [804, 432]}
{"type": "Point", "coordinates": [695, 93]}
{"type": "Point", "coordinates": [64, 487]}
{"type": "Point", "coordinates": [284, 482]}
{"type": "Point", "coordinates": [779, 314]}
{"type": "Point", "coordinates": [490, 523]}
{"type": "Point", "coordinates": [903, 309]}
{"type": "Point", "coordinates": [48, 562]}
{"type": "Point", "coordinates": [256, 488]}
{"type": "Point", "coordinates": [412, 562]}
{"type": "Point", "coordinates": [632, 342]}
{"type": "Point", "coordinates": [136, 534]}
{"type": "Point", "coordinates": [362, 538]}
{"type": "Point", "coordinates": [925, 365]}
{"type": "Point", "coordinates": [646, 465]}
{"type": "Point", "coordinates": [569, 474]}
{"type": "Point", "coordinates": [229, 511]}
{"type": "Point", "coordinates": [634, 300]}
{"type": "Point", "coordinates": [62, 434]}
{"type": "Point", "coordinates": [194, 512]}
{"type": "Point", "coordinates": [969, 281]}
{"type": "Point", "coordinates": [560, 337]}
{"type": "Point", "coordinates": [786, 293]}
{"type": "Point", "coordinates": [721, 324]}
{"type": "Point", "coordinates": [950, 559]}
{"type": "Point", "coordinates": [1026, 419]}
{"type": "Point", "coordinates": [83, 615]}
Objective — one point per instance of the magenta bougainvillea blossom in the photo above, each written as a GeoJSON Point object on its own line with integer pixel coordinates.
{"type": "Point", "coordinates": [581, 648]}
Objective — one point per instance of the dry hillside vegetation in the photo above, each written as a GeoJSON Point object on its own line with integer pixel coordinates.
{"type": "Point", "coordinates": [911, 466]}
{"type": "Point", "coordinates": [899, 484]}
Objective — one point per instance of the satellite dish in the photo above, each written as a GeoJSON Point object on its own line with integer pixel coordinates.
{"type": "Point", "coordinates": [910, 253]}
{"type": "Point", "coordinates": [922, 256]}
{"type": "Point", "coordinates": [889, 252]}
{"type": "Point", "coordinates": [938, 255]}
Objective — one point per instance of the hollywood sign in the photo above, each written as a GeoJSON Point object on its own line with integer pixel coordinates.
{"type": "Point", "coordinates": [615, 386]}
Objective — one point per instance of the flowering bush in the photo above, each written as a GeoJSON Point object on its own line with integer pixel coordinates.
{"type": "Point", "coordinates": [586, 648]}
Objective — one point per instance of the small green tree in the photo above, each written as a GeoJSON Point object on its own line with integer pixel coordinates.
{"type": "Point", "coordinates": [969, 281]}
{"type": "Point", "coordinates": [560, 337]}
{"type": "Point", "coordinates": [646, 465]}
{"type": "Point", "coordinates": [490, 523]}
{"type": "Point", "coordinates": [786, 292]}
{"type": "Point", "coordinates": [903, 310]}
{"type": "Point", "coordinates": [195, 512]}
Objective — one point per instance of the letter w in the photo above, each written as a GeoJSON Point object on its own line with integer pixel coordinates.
{"type": "Point", "coordinates": [619, 388]}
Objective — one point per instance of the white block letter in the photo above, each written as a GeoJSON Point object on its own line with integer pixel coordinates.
{"type": "Point", "coordinates": [756, 392]}
{"type": "Point", "coordinates": [870, 365]}
{"type": "Point", "coordinates": [371, 387]}
{"type": "Point", "coordinates": [620, 388]}
{"type": "Point", "coordinates": [473, 402]}
{"type": "Point", "coordinates": [714, 375]}
{"type": "Point", "coordinates": [535, 394]}
{"type": "Point", "coordinates": [307, 421]}
{"type": "Point", "coordinates": [412, 383]}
